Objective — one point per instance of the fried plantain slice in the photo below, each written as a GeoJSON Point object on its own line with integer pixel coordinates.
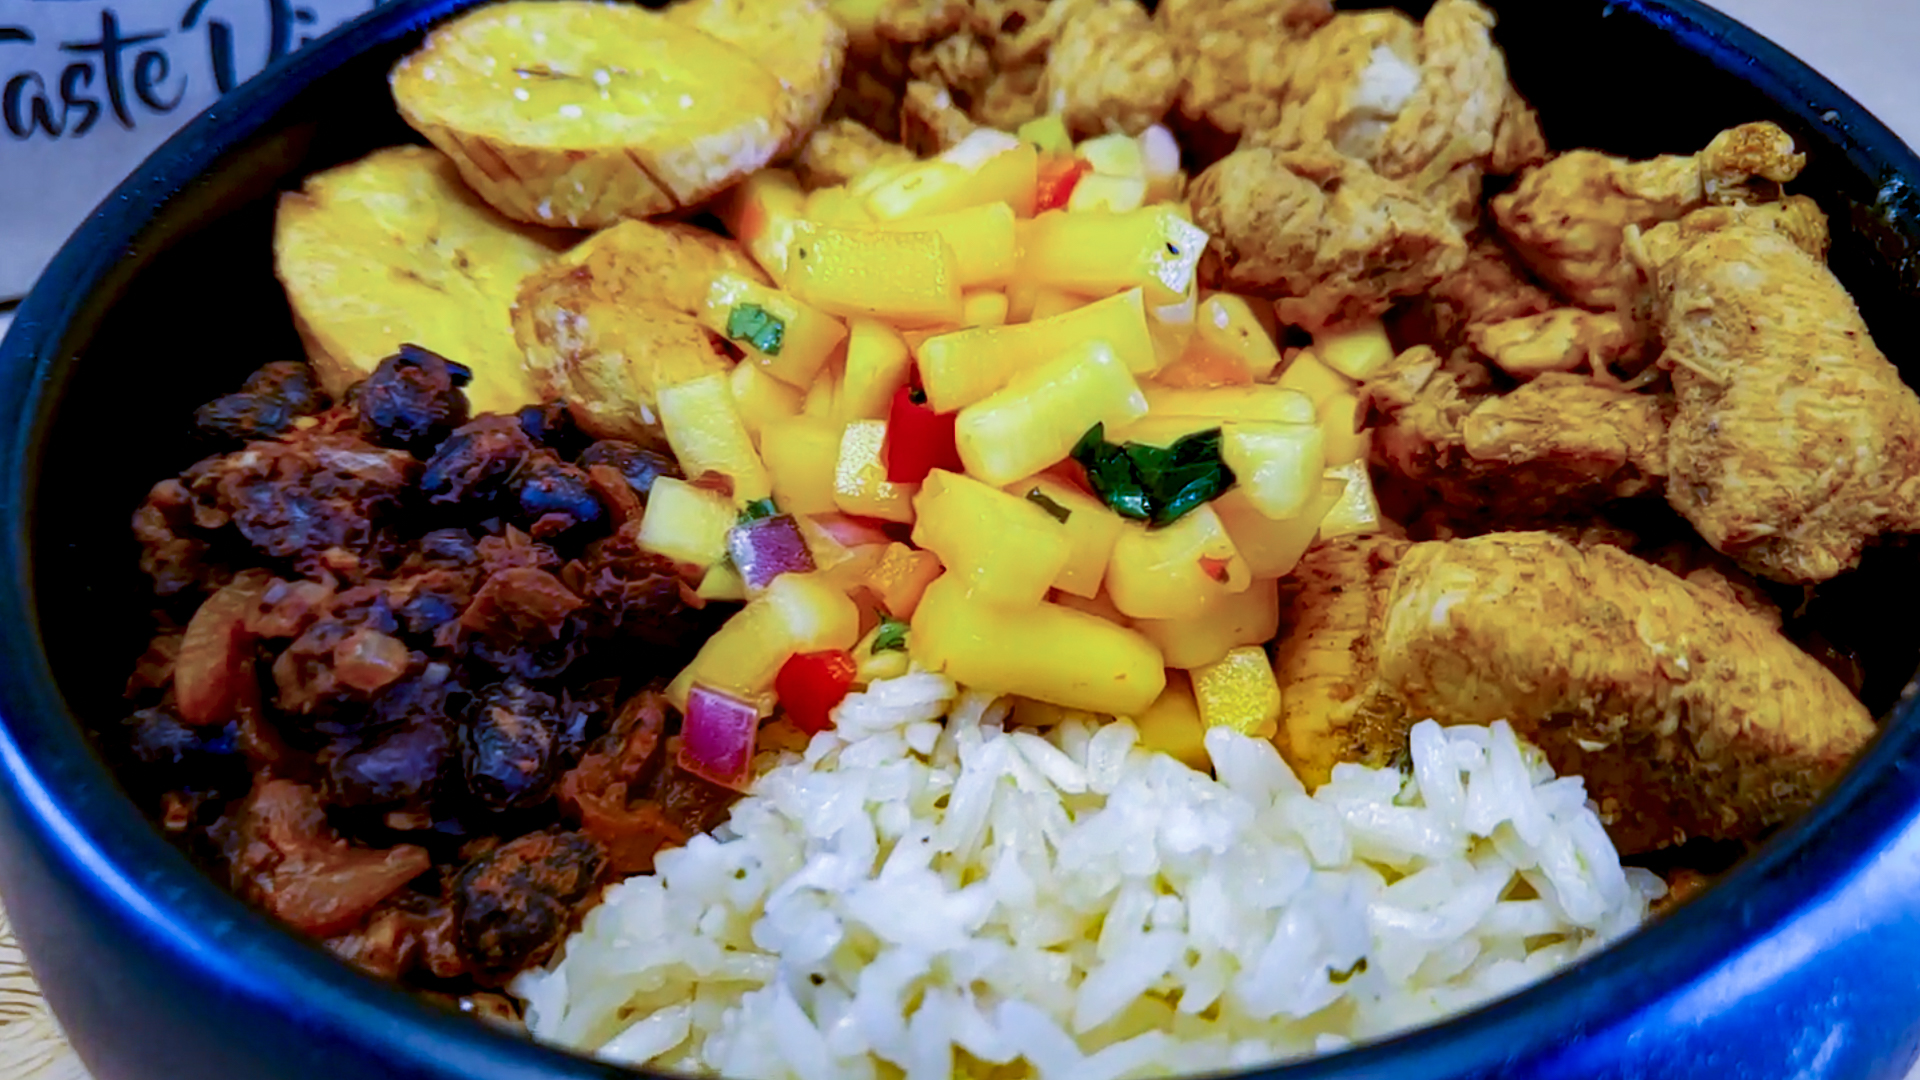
{"type": "Point", "coordinates": [798, 41]}
{"type": "Point", "coordinates": [608, 324]}
{"type": "Point", "coordinates": [393, 248]}
{"type": "Point", "coordinates": [565, 112]}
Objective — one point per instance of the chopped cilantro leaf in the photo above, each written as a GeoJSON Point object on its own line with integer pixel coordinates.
{"type": "Point", "coordinates": [757, 509]}
{"type": "Point", "coordinates": [891, 637]}
{"type": "Point", "coordinates": [1039, 499]}
{"type": "Point", "coordinates": [1156, 484]}
{"type": "Point", "coordinates": [757, 327]}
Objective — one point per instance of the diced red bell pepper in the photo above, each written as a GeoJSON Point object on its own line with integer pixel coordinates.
{"type": "Point", "coordinates": [919, 440]}
{"type": "Point", "coordinates": [1058, 177]}
{"type": "Point", "coordinates": [811, 684]}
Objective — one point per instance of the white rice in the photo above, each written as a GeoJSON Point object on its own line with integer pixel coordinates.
{"type": "Point", "coordinates": [927, 900]}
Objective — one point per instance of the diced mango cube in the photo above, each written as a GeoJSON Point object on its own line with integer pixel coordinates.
{"type": "Point", "coordinates": [1113, 155]}
{"type": "Point", "coordinates": [1108, 194]}
{"type": "Point", "coordinates": [1227, 621]}
{"type": "Point", "coordinates": [984, 309]}
{"type": "Point", "coordinates": [1099, 252]}
{"type": "Point", "coordinates": [723, 583]}
{"type": "Point", "coordinates": [900, 576]}
{"type": "Point", "coordinates": [906, 278]}
{"type": "Point", "coordinates": [1340, 418]}
{"type": "Point", "coordinates": [1257, 403]}
{"type": "Point", "coordinates": [761, 398]}
{"type": "Point", "coordinates": [1226, 324]}
{"type": "Point", "coordinates": [961, 368]}
{"type": "Point", "coordinates": [982, 239]}
{"type": "Point", "coordinates": [1172, 326]}
{"type": "Point", "coordinates": [1048, 132]}
{"type": "Point", "coordinates": [1035, 420]}
{"type": "Point", "coordinates": [860, 484]}
{"type": "Point", "coordinates": [1048, 653]}
{"type": "Point", "coordinates": [878, 365]}
{"type": "Point", "coordinates": [1307, 375]}
{"type": "Point", "coordinates": [1173, 572]}
{"type": "Point", "coordinates": [1273, 547]}
{"type": "Point", "coordinates": [1048, 303]}
{"type": "Point", "coordinates": [789, 340]}
{"type": "Point", "coordinates": [1171, 725]}
{"type": "Point", "coordinates": [1004, 549]}
{"type": "Point", "coordinates": [760, 213]}
{"type": "Point", "coordinates": [687, 524]}
{"type": "Point", "coordinates": [797, 613]}
{"type": "Point", "coordinates": [706, 433]}
{"type": "Point", "coordinates": [1091, 530]}
{"type": "Point", "coordinates": [838, 205]}
{"type": "Point", "coordinates": [802, 455]}
{"type": "Point", "coordinates": [1278, 464]}
{"type": "Point", "coordinates": [978, 171]}
{"type": "Point", "coordinates": [1357, 351]}
{"type": "Point", "coordinates": [1357, 510]}
{"type": "Point", "coordinates": [1239, 692]}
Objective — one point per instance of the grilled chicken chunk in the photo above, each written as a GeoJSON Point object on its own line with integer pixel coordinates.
{"type": "Point", "coordinates": [1688, 714]}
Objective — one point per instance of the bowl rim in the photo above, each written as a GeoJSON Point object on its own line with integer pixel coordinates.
{"type": "Point", "coordinates": [100, 836]}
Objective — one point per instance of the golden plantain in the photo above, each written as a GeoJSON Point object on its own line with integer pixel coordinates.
{"type": "Point", "coordinates": [566, 112]}
{"type": "Point", "coordinates": [394, 248]}
{"type": "Point", "coordinates": [611, 322]}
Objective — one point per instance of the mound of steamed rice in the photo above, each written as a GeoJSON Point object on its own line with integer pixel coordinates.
{"type": "Point", "coordinates": [956, 899]}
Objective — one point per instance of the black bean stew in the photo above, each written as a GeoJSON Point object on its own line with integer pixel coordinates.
{"type": "Point", "coordinates": [403, 692]}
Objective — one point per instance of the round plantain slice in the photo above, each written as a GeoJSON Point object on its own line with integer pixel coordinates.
{"type": "Point", "coordinates": [799, 41]}
{"type": "Point", "coordinates": [607, 325]}
{"type": "Point", "coordinates": [565, 112]}
{"type": "Point", "coordinates": [393, 248]}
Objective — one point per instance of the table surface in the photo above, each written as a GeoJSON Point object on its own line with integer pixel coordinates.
{"type": "Point", "coordinates": [1866, 46]}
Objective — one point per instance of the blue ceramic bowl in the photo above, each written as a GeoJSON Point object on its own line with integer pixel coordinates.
{"type": "Point", "coordinates": [1804, 961]}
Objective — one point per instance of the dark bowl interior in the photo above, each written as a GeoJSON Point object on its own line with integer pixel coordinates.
{"type": "Point", "coordinates": [167, 297]}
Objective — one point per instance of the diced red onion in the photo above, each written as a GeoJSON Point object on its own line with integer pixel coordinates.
{"type": "Point", "coordinates": [764, 549]}
{"type": "Point", "coordinates": [716, 742]}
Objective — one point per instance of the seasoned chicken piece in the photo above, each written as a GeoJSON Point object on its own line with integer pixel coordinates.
{"type": "Point", "coordinates": [1237, 56]}
{"type": "Point", "coordinates": [930, 122]}
{"type": "Point", "coordinates": [1563, 339]}
{"type": "Point", "coordinates": [1567, 218]}
{"type": "Point", "coordinates": [842, 149]}
{"type": "Point", "coordinates": [1490, 287]}
{"type": "Point", "coordinates": [609, 323]}
{"type": "Point", "coordinates": [1332, 710]}
{"type": "Point", "coordinates": [1466, 112]}
{"type": "Point", "coordinates": [906, 21]}
{"type": "Point", "coordinates": [1795, 440]}
{"type": "Point", "coordinates": [1347, 83]}
{"type": "Point", "coordinates": [1328, 237]}
{"type": "Point", "coordinates": [1557, 444]}
{"type": "Point", "coordinates": [1430, 106]}
{"type": "Point", "coordinates": [1687, 714]}
{"type": "Point", "coordinates": [1110, 67]}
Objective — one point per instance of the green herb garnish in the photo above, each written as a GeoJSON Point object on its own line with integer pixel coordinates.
{"type": "Point", "coordinates": [891, 637]}
{"type": "Point", "coordinates": [1156, 484]}
{"type": "Point", "coordinates": [757, 327]}
{"type": "Point", "coordinates": [1337, 977]}
{"type": "Point", "coordinates": [757, 509]}
{"type": "Point", "coordinates": [1039, 498]}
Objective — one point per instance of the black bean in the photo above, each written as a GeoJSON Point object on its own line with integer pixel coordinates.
{"type": "Point", "coordinates": [472, 466]}
{"type": "Point", "coordinates": [413, 400]}
{"type": "Point", "coordinates": [640, 465]}
{"type": "Point", "coordinates": [180, 756]}
{"type": "Point", "coordinates": [267, 404]}
{"type": "Point", "coordinates": [510, 746]}
{"type": "Point", "coordinates": [552, 497]}
{"type": "Point", "coordinates": [516, 902]}
{"type": "Point", "coordinates": [402, 764]}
